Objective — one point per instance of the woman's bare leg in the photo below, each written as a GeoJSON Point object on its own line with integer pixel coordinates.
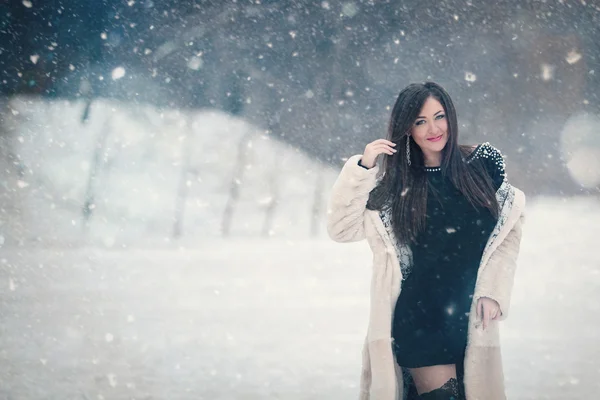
{"type": "Point", "coordinates": [430, 378]}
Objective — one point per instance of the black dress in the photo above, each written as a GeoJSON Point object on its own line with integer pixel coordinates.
{"type": "Point", "coordinates": [432, 312]}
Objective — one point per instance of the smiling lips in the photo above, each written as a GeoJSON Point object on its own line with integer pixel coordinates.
{"type": "Point", "coordinates": [435, 139]}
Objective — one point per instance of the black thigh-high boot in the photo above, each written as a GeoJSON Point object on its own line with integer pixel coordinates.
{"type": "Point", "coordinates": [448, 391]}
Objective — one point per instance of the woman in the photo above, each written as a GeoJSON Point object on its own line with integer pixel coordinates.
{"type": "Point", "coordinates": [444, 226]}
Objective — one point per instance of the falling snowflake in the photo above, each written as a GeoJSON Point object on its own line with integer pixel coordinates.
{"type": "Point", "coordinates": [470, 77]}
{"type": "Point", "coordinates": [118, 73]}
{"type": "Point", "coordinates": [27, 3]}
{"type": "Point", "coordinates": [584, 166]}
{"type": "Point", "coordinates": [34, 58]}
{"type": "Point", "coordinates": [195, 63]}
{"type": "Point", "coordinates": [573, 56]}
{"type": "Point", "coordinates": [573, 381]}
{"type": "Point", "coordinates": [266, 200]}
{"type": "Point", "coordinates": [112, 380]}
{"type": "Point", "coordinates": [349, 9]}
{"type": "Point", "coordinates": [547, 71]}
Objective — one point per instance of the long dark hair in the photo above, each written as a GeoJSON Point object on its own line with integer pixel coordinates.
{"type": "Point", "coordinates": [405, 186]}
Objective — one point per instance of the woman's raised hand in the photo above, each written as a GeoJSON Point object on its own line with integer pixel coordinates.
{"type": "Point", "coordinates": [375, 148]}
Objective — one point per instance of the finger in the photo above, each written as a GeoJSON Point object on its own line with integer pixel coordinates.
{"type": "Point", "coordinates": [384, 149]}
{"type": "Point", "coordinates": [497, 314]}
{"type": "Point", "coordinates": [378, 148]}
{"type": "Point", "coordinates": [385, 141]}
{"type": "Point", "coordinates": [486, 317]}
{"type": "Point", "coordinates": [389, 151]}
{"type": "Point", "coordinates": [383, 145]}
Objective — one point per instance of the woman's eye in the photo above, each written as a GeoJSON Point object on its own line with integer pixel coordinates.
{"type": "Point", "coordinates": [420, 122]}
{"type": "Point", "coordinates": [440, 116]}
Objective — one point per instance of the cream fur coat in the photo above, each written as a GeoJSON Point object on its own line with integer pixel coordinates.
{"type": "Point", "coordinates": [348, 220]}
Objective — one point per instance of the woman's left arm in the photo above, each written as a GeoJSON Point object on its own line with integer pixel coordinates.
{"type": "Point", "coordinates": [497, 280]}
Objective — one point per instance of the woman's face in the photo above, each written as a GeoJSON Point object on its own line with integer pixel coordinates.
{"type": "Point", "coordinates": [430, 129]}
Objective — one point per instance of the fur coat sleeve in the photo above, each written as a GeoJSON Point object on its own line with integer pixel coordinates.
{"type": "Point", "coordinates": [496, 281]}
{"type": "Point", "coordinates": [348, 200]}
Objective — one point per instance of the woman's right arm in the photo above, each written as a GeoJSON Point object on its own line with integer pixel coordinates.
{"type": "Point", "coordinates": [348, 200]}
{"type": "Point", "coordinates": [350, 193]}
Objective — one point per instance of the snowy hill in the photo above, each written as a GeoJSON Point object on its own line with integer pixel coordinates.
{"type": "Point", "coordinates": [149, 175]}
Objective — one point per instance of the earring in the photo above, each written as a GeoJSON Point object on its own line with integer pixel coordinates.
{"type": "Point", "coordinates": [408, 148]}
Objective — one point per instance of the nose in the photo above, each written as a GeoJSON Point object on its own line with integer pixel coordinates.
{"type": "Point", "coordinates": [433, 128]}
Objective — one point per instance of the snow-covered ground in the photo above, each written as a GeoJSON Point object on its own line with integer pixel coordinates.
{"type": "Point", "coordinates": [270, 318]}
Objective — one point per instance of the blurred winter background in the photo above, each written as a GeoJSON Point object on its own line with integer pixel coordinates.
{"type": "Point", "coordinates": [165, 167]}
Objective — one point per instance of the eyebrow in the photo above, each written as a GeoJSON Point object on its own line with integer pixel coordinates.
{"type": "Point", "coordinates": [433, 114]}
